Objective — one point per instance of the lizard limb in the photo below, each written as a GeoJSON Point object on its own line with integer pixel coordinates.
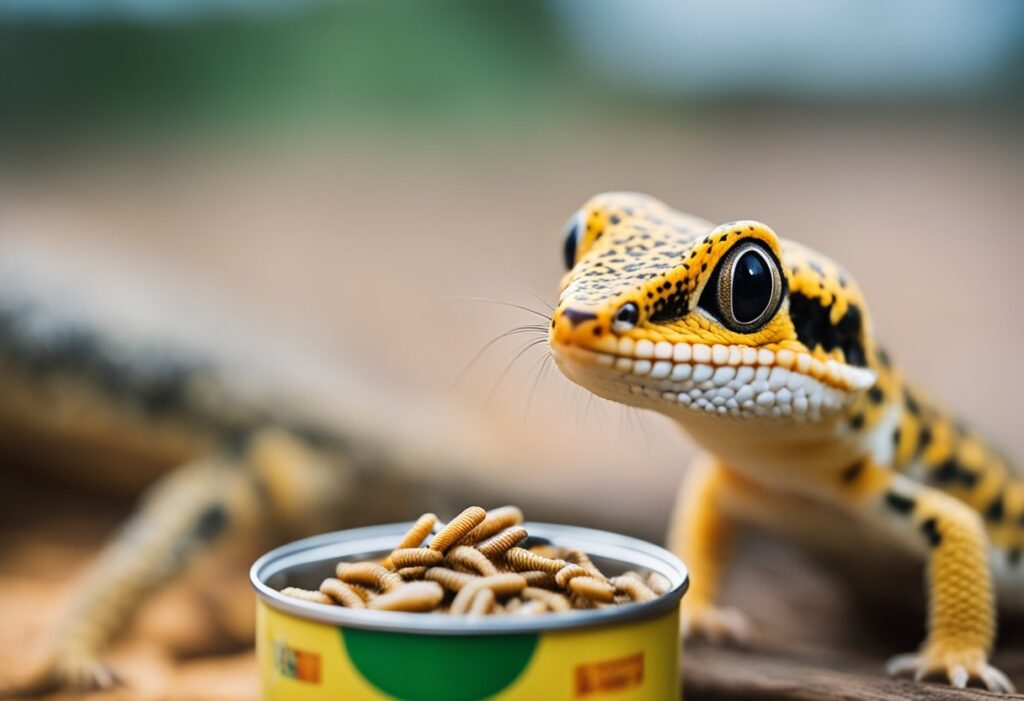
{"type": "Point", "coordinates": [961, 606]}
{"type": "Point", "coordinates": [183, 515]}
{"type": "Point", "coordinates": [702, 532]}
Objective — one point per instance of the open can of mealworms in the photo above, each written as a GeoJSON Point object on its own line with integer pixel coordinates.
{"type": "Point", "coordinates": [311, 651]}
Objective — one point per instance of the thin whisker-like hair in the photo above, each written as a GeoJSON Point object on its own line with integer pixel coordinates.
{"type": "Point", "coordinates": [501, 377]}
{"type": "Point", "coordinates": [485, 300]}
{"type": "Point", "coordinates": [526, 328]}
{"type": "Point", "coordinates": [536, 296]}
{"type": "Point", "coordinates": [545, 361]}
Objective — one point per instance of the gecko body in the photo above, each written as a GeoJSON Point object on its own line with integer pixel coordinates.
{"type": "Point", "coordinates": [237, 440]}
{"type": "Point", "coordinates": [763, 351]}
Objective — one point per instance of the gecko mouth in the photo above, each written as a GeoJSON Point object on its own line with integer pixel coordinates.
{"type": "Point", "coordinates": [738, 381]}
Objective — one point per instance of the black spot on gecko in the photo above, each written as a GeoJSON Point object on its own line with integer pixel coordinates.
{"type": "Point", "coordinates": [814, 327]}
{"type": "Point", "coordinates": [212, 522]}
{"type": "Point", "coordinates": [930, 528]}
{"type": "Point", "coordinates": [674, 306]}
{"type": "Point", "coordinates": [995, 510]}
{"type": "Point", "coordinates": [912, 406]}
{"type": "Point", "coordinates": [876, 395]}
{"type": "Point", "coordinates": [924, 439]}
{"type": "Point", "coordinates": [899, 503]}
{"type": "Point", "coordinates": [857, 422]}
{"type": "Point", "coordinates": [851, 473]}
{"type": "Point", "coordinates": [953, 471]}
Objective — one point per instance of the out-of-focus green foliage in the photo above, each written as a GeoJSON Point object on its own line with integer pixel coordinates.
{"type": "Point", "coordinates": [451, 61]}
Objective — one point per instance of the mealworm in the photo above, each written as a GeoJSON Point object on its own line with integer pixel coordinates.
{"type": "Point", "coordinates": [593, 588]}
{"type": "Point", "coordinates": [521, 559]}
{"type": "Point", "coordinates": [457, 528]}
{"type": "Point", "coordinates": [532, 608]}
{"type": "Point", "coordinates": [567, 573]}
{"type": "Point", "coordinates": [583, 560]}
{"type": "Point", "coordinates": [363, 593]}
{"type": "Point", "coordinates": [553, 600]}
{"type": "Point", "coordinates": [542, 580]}
{"type": "Point", "coordinates": [368, 573]}
{"type": "Point", "coordinates": [449, 579]}
{"type": "Point", "coordinates": [415, 536]}
{"type": "Point", "coordinates": [414, 596]}
{"type": "Point", "coordinates": [635, 587]}
{"type": "Point", "coordinates": [548, 551]}
{"type": "Point", "coordinates": [477, 557]}
{"type": "Point", "coordinates": [483, 601]}
{"type": "Point", "coordinates": [658, 584]}
{"type": "Point", "coordinates": [342, 593]}
{"type": "Point", "coordinates": [315, 597]}
{"type": "Point", "coordinates": [498, 544]}
{"type": "Point", "coordinates": [501, 584]}
{"type": "Point", "coordinates": [415, 557]}
{"type": "Point", "coordinates": [471, 559]}
{"type": "Point", "coordinates": [497, 519]}
{"type": "Point", "coordinates": [408, 573]}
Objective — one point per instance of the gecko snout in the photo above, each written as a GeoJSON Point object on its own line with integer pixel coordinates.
{"type": "Point", "coordinates": [575, 317]}
{"type": "Point", "coordinates": [573, 325]}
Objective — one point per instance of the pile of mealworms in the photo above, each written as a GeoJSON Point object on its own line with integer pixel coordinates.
{"type": "Point", "coordinates": [475, 565]}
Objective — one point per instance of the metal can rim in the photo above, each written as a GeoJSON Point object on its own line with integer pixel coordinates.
{"type": "Point", "coordinates": [341, 544]}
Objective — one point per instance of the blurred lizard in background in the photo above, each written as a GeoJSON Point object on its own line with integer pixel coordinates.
{"type": "Point", "coordinates": [763, 351]}
{"type": "Point", "coordinates": [112, 386]}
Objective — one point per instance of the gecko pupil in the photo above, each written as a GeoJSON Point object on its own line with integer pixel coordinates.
{"type": "Point", "coordinates": [572, 235]}
{"type": "Point", "coordinates": [751, 287]}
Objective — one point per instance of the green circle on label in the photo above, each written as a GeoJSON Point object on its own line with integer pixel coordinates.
{"type": "Point", "coordinates": [438, 667]}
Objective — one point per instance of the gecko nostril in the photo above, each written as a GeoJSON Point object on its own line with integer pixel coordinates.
{"type": "Point", "coordinates": [577, 316]}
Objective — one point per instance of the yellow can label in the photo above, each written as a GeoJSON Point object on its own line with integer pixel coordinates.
{"type": "Point", "coordinates": [302, 660]}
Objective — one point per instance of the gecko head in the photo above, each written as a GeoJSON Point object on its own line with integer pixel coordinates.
{"type": "Point", "coordinates": [660, 310]}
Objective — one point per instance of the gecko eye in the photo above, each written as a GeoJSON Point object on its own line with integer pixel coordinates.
{"type": "Point", "coordinates": [573, 232]}
{"type": "Point", "coordinates": [626, 318]}
{"type": "Point", "coordinates": [745, 290]}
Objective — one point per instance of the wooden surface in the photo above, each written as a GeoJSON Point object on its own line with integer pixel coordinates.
{"type": "Point", "coordinates": [193, 641]}
{"type": "Point", "coordinates": [818, 638]}
{"type": "Point", "coordinates": [724, 675]}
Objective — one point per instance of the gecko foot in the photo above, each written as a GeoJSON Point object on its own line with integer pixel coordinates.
{"type": "Point", "coordinates": [716, 625]}
{"type": "Point", "coordinates": [957, 666]}
{"type": "Point", "coordinates": [74, 673]}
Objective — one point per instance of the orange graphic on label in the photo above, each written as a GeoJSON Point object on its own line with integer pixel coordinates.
{"type": "Point", "coordinates": [297, 664]}
{"type": "Point", "coordinates": [610, 675]}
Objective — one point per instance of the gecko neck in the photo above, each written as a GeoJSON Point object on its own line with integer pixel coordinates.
{"type": "Point", "coordinates": [789, 456]}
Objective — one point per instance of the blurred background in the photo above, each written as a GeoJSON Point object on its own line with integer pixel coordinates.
{"type": "Point", "coordinates": [341, 172]}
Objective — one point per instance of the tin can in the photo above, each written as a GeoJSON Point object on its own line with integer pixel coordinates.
{"type": "Point", "coordinates": [309, 651]}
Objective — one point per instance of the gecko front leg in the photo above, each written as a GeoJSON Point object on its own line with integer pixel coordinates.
{"type": "Point", "coordinates": [185, 514]}
{"type": "Point", "coordinates": [219, 499]}
{"type": "Point", "coordinates": [702, 533]}
{"type": "Point", "coordinates": [951, 537]}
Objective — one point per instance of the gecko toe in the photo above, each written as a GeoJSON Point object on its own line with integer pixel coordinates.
{"type": "Point", "coordinates": [959, 677]}
{"type": "Point", "coordinates": [996, 681]}
{"type": "Point", "coordinates": [716, 625]}
{"type": "Point", "coordinates": [959, 668]}
{"type": "Point", "coordinates": [901, 665]}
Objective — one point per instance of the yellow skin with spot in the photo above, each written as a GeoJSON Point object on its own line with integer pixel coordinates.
{"type": "Point", "coordinates": [806, 425]}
